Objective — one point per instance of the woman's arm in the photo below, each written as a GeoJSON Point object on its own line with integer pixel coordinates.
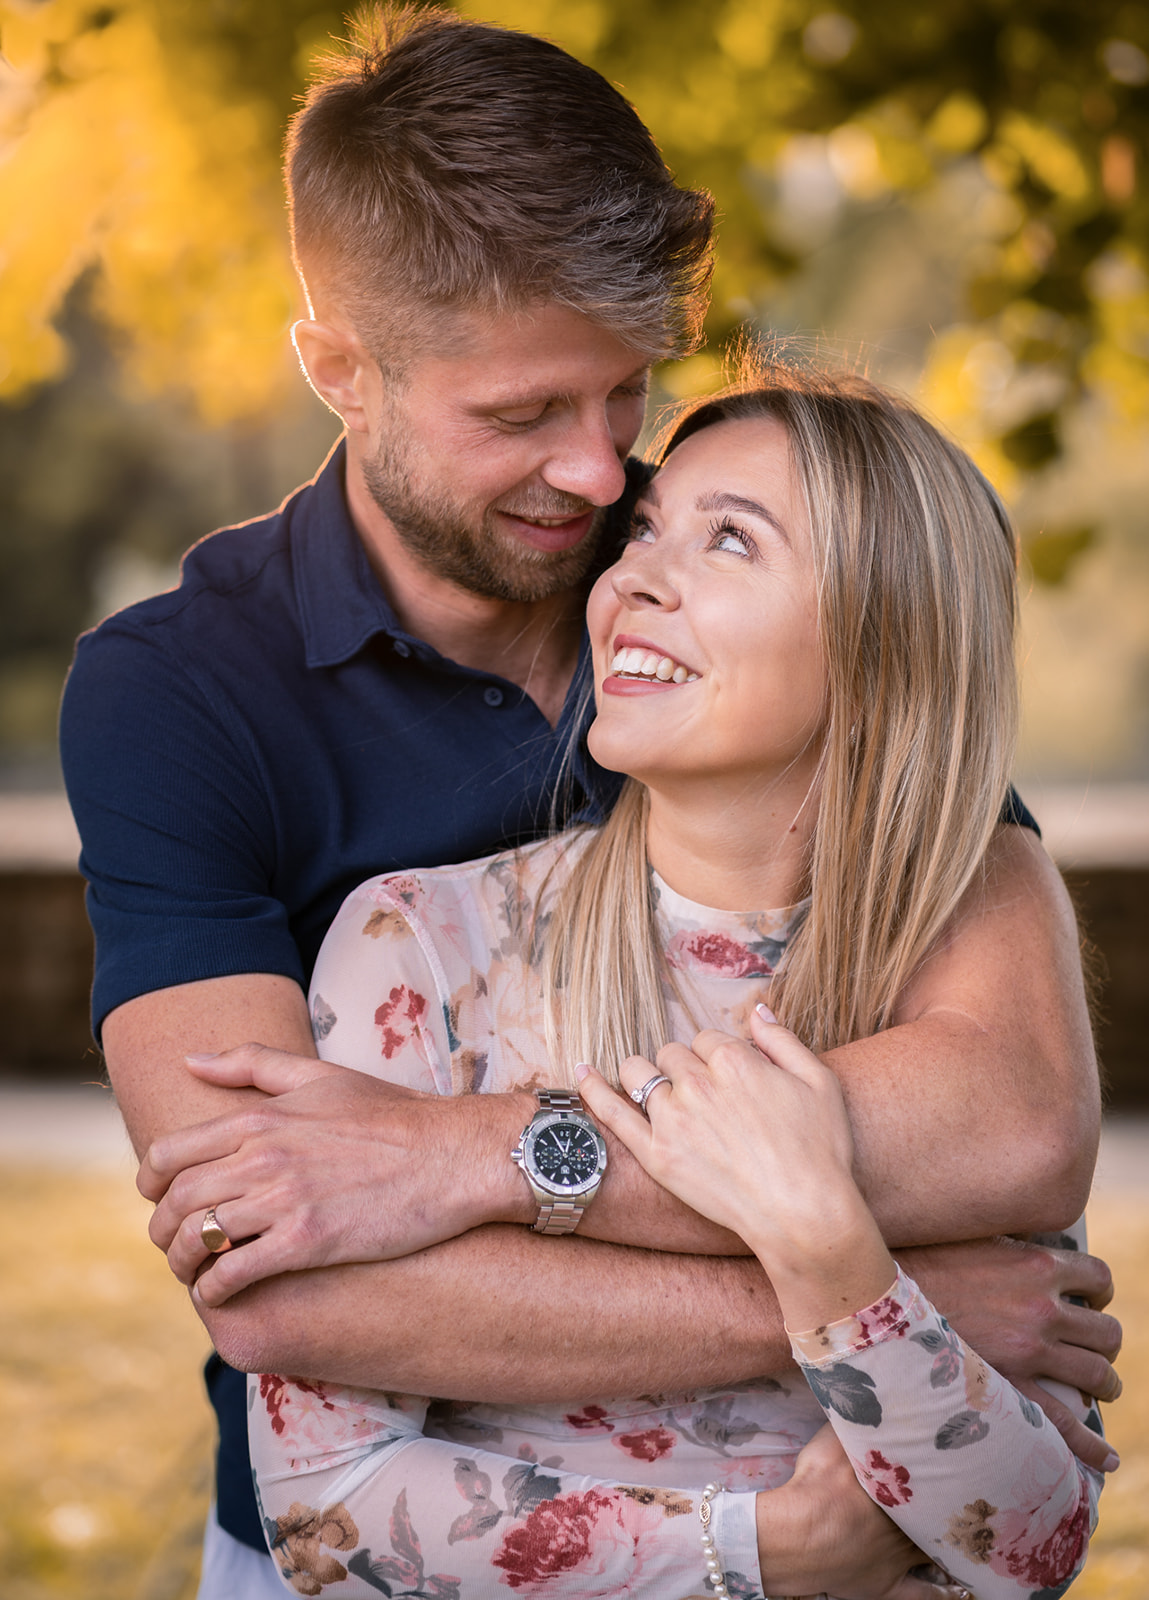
{"type": "Point", "coordinates": [354, 1498]}
{"type": "Point", "coordinates": [970, 1470]}
{"type": "Point", "coordinates": [965, 1466]}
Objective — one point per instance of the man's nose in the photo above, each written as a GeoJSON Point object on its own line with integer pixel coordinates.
{"type": "Point", "coordinates": [587, 463]}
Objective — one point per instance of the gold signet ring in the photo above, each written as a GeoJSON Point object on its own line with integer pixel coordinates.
{"type": "Point", "coordinates": [212, 1234]}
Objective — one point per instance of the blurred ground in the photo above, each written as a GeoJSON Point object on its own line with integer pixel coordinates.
{"type": "Point", "coordinates": [105, 1481]}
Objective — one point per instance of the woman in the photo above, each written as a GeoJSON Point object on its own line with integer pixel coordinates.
{"type": "Point", "coordinates": [803, 661]}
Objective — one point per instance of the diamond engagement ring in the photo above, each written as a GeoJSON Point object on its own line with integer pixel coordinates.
{"type": "Point", "coordinates": [212, 1234]}
{"type": "Point", "coordinates": [641, 1096]}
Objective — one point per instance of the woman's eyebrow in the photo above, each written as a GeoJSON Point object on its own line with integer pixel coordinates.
{"type": "Point", "coordinates": [738, 502]}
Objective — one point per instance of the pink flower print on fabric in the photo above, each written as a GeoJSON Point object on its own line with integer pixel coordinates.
{"type": "Point", "coordinates": [591, 1419]}
{"type": "Point", "coordinates": [296, 1409]}
{"type": "Point", "coordinates": [649, 1445]}
{"type": "Point", "coordinates": [1029, 1545]}
{"type": "Point", "coordinates": [398, 1018]}
{"type": "Point", "coordinates": [718, 954]}
{"type": "Point", "coordinates": [891, 1482]}
{"type": "Point", "coordinates": [579, 1538]}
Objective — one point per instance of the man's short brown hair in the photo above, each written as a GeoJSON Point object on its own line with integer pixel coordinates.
{"type": "Point", "coordinates": [446, 163]}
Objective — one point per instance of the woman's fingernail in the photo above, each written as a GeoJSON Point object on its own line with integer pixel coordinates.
{"type": "Point", "coordinates": [581, 1071]}
{"type": "Point", "coordinates": [203, 1055]}
{"type": "Point", "coordinates": [765, 1013]}
{"type": "Point", "coordinates": [1112, 1462]}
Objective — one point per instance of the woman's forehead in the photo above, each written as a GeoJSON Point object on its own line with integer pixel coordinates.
{"type": "Point", "coordinates": [724, 457]}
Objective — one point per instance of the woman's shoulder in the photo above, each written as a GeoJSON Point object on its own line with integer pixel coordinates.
{"type": "Point", "coordinates": [496, 898]}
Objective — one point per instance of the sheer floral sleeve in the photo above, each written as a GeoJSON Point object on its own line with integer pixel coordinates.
{"type": "Point", "coordinates": [969, 1469]}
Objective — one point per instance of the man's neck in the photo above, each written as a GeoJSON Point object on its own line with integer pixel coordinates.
{"type": "Point", "coordinates": [534, 644]}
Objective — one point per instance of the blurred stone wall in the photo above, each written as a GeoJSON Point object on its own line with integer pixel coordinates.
{"type": "Point", "coordinates": [46, 945]}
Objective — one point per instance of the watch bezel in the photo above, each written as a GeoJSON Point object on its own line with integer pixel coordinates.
{"type": "Point", "coordinates": [538, 1124]}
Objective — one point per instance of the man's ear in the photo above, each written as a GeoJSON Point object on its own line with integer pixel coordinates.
{"type": "Point", "coordinates": [340, 370]}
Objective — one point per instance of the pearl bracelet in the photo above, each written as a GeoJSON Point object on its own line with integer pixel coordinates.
{"type": "Point", "coordinates": [714, 1574]}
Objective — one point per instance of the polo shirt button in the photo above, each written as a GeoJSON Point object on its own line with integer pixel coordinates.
{"type": "Point", "coordinates": [401, 647]}
{"type": "Point", "coordinates": [492, 695]}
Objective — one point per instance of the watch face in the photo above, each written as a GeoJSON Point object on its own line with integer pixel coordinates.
{"type": "Point", "coordinates": [565, 1154]}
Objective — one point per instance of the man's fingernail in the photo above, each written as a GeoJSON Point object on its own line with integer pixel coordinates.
{"type": "Point", "coordinates": [1112, 1462]}
{"type": "Point", "coordinates": [765, 1013]}
{"type": "Point", "coordinates": [581, 1070]}
{"type": "Point", "coordinates": [203, 1055]}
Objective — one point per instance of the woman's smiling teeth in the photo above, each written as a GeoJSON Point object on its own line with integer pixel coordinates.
{"type": "Point", "coordinates": [635, 663]}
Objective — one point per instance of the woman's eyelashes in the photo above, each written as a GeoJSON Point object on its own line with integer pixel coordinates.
{"type": "Point", "coordinates": [727, 535]}
{"type": "Point", "coordinates": [720, 535]}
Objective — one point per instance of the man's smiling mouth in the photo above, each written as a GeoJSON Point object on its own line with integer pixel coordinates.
{"type": "Point", "coordinates": [633, 662]}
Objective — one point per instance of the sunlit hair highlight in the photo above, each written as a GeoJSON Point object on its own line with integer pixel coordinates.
{"type": "Point", "coordinates": [916, 564]}
{"type": "Point", "coordinates": [441, 164]}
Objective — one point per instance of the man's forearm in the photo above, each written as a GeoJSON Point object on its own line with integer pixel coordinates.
{"type": "Point", "coordinates": [504, 1315]}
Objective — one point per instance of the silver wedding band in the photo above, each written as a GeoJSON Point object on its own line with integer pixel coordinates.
{"type": "Point", "coordinates": [641, 1096]}
{"type": "Point", "coordinates": [213, 1236]}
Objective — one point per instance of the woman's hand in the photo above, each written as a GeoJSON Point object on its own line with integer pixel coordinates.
{"type": "Point", "coordinates": [822, 1534]}
{"type": "Point", "coordinates": [758, 1140]}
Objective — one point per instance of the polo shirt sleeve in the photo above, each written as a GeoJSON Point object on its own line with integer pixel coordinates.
{"type": "Point", "coordinates": [165, 783]}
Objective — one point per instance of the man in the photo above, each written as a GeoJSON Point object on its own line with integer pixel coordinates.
{"type": "Point", "coordinates": [384, 674]}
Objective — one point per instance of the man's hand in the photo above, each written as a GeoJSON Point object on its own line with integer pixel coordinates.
{"type": "Point", "coordinates": [1013, 1303]}
{"type": "Point", "coordinates": [822, 1534]}
{"type": "Point", "coordinates": [335, 1167]}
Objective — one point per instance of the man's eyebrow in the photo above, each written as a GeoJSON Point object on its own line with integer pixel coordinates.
{"type": "Point", "coordinates": [519, 400]}
{"type": "Point", "coordinates": [738, 502]}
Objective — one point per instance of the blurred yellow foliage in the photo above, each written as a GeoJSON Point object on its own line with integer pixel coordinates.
{"type": "Point", "coordinates": [140, 142]}
{"type": "Point", "coordinates": [117, 160]}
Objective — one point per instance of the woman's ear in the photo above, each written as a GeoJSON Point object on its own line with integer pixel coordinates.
{"type": "Point", "coordinates": [340, 370]}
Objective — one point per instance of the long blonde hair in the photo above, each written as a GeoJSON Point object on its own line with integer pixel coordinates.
{"type": "Point", "coordinates": [916, 564]}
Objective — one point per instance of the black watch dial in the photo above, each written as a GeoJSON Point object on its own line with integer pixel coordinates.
{"type": "Point", "coordinates": [565, 1154]}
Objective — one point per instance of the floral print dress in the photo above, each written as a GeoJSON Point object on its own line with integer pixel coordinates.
{"type": "Point", "coordinates": [431, 979]}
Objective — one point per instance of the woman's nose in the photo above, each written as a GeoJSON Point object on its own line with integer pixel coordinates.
{"type": "Point", "coordinates": [641, 579]}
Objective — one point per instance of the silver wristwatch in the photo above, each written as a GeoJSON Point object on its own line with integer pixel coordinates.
{"type": "Point", "coordinates": [563, 1157]}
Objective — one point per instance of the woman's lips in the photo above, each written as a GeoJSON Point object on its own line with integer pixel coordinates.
{"type": "Point", "coordinates": [643, 661]}
{"type": "Point", "coordinates": [638, 668]}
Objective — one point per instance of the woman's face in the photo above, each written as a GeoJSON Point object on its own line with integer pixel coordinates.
{"type": "Point", "coordinates": [706, 651]}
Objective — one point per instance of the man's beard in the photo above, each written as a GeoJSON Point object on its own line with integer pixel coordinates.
{"type": "Point", "coordinates": [482, 559]}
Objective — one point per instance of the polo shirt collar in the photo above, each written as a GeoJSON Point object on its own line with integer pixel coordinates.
{"type": "Point", "coordinates": [341, 605]}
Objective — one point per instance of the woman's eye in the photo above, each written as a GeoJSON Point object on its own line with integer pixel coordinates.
{"type": "Point", "coordinates": [725, 536]}
{"type": "Point", "coordinates": [640, 532]}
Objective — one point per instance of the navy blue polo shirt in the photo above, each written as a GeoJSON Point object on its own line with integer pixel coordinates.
{"type": "Point", "coordinates": [242, 751]}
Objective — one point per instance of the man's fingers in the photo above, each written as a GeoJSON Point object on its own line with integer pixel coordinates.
{"type": "Point", "coordinates": [257, 1066]}
{"type": "Point", "coordinates": [237, 1269]}
{"type": "Point", "coordinates": [910, 1588]}
{"type": "Point", "coordinates": [1086, 1445]}
{"type": "Point", "coordinates": [1087, 1277]}
{"type": "Point", "coordinates": [1086, 1345]}
{"type": "Point", "coordinates": [1093, 1330]}
{"type": "Point", "coordinates": [191, 1147]}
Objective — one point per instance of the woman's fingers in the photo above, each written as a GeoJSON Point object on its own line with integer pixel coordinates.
{"type": "Point", "coordinates": [617, 1112]}
{"type": "Point", "coordinates": [784, 1048]}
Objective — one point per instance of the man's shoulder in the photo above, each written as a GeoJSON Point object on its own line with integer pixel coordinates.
{"type": "Point", "coordinates": [248, 564]}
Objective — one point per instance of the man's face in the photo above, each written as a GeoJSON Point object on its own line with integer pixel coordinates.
{"type": "Point", "coordinates": [494, 456]}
